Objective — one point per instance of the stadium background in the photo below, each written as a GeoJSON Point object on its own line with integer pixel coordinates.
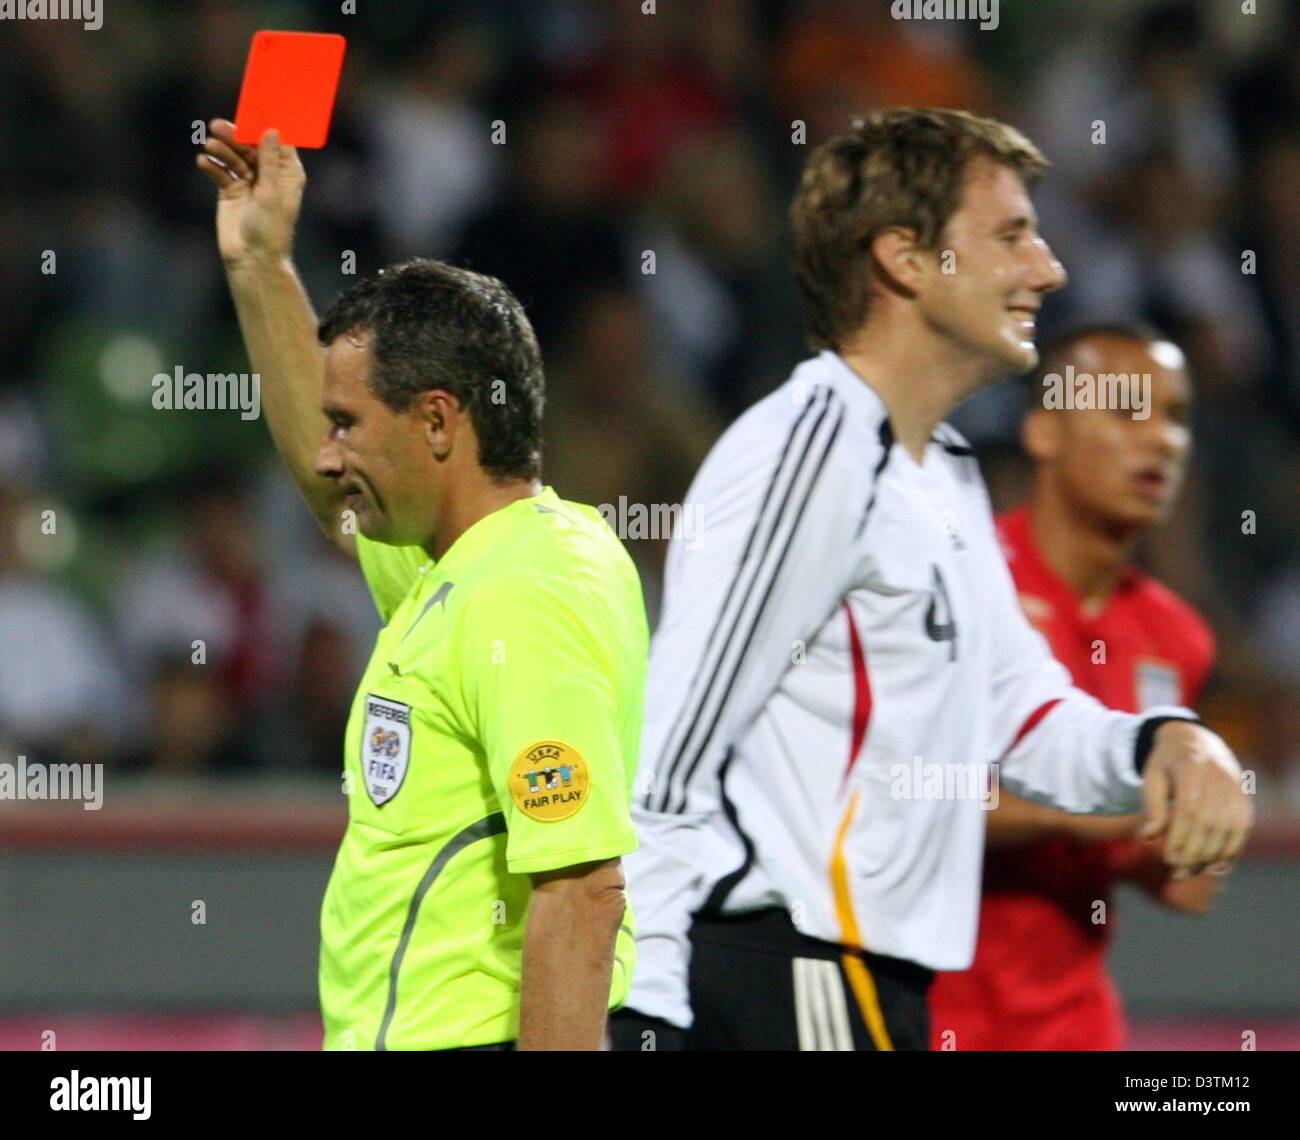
{"type": "Point", "coordinates": [625, 132]}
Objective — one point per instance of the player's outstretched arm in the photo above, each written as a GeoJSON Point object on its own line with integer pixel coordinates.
{"type": "Point", "coordinates": [1015, 821]}
{"type": "Point", "coordinates": [1069, 751]}
{"type": "Point", "coordinates": [259, 193]}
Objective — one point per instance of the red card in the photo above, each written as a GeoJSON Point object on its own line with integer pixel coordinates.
{"type": "Point", "coordinates": [290, 82]}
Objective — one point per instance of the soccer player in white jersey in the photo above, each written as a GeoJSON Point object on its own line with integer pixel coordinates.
{"type": "Point", "coordinates": [842, 678]}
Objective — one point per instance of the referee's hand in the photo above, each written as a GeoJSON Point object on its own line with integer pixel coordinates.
{"type": "Point", "coordinates": [259, 193]}
{"type": "Point", "coordinates": [1192, 788]}
{"type": "Point", "coordinates": [633, 1032]}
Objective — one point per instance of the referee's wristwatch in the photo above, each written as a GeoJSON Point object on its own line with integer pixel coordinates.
{"type": "Point", "coordinates": [634, 1032]}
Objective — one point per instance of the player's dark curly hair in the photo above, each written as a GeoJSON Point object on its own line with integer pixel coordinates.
{"type": "Point", "coordinates": [437, 326]}
{"type": "Point", "coordinates": [901, 167]}
{"type": "Point", "coordinates": [1056, 350]}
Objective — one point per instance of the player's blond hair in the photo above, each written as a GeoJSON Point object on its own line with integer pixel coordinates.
{"type": "Point", "coordinates": [901, 167]}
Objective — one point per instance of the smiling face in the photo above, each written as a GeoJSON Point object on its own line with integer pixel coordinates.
{"type": "Point", "coordinates": [1000, 270]}
{"type": "Point", "coordinates": [1125, 472]}
{"type": "Point", "coordinates": [380, 459]}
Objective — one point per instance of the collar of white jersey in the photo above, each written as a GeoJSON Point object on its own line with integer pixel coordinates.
{"type": "Point", "coordinates": [828, 367]}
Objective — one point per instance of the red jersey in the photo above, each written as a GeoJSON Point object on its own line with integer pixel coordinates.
{"type": "Point", "coordinates": [1039, 979]}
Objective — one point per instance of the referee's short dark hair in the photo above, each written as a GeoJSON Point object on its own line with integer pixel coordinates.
{"type": "Point", "coordinates": [436, 326]}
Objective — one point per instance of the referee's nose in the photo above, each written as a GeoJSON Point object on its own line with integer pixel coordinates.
{"type": "Point", "coordinates": [329, 457]}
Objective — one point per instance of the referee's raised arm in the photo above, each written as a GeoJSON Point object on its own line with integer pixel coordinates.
{"type": "Point", "coordinates": [259, 195]}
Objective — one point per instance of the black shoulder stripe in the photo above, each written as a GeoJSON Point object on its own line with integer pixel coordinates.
{"type": "Point", "coordinates": [816, 459]}
{"type": "Point", "coordinates": [705, 674]}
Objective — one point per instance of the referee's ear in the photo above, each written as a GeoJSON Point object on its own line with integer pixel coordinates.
{"type": "Point", "coordinates": [442, 419]}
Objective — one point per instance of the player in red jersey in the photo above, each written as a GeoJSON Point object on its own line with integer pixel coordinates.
{"type": "Point", "coordinates": [1103, 476]}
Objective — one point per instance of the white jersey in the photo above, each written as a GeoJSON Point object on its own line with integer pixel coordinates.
{"type": "Point", "coordinates": [841, 680]}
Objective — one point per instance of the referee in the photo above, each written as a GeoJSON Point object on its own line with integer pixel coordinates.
{"type": "Point", "coordinates": [477, 898]}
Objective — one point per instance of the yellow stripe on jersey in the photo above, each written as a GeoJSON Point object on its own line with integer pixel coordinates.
{"type": "Point", "coordinates": [864, 986]}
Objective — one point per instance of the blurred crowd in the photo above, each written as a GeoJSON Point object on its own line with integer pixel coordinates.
{"type": "Point", "coordinates": [165, 602]}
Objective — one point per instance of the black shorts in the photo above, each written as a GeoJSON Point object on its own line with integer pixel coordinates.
{"type": "Point", "coordinates": [757, 983]}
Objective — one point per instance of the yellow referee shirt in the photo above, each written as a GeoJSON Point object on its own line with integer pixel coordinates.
{"type": "Point", "coordinates": [495, 733]}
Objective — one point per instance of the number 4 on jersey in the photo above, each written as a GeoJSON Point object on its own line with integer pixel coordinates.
{"type": "Point", "coordinates": [939, 623]}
